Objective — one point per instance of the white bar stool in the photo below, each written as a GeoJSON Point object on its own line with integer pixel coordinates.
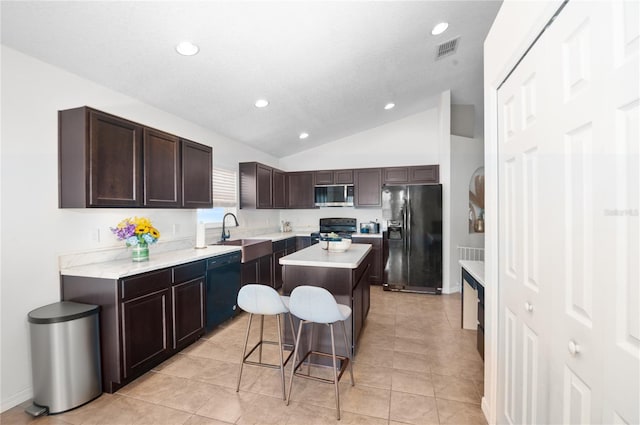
{"type": "Point", "coordinates": [312, 304]}
{"type": "Point", "coordinates": [264, 301]}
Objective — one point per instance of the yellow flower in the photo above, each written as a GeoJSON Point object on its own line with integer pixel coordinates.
{"type": "Point", "coordinates": [141, 229]}
{"type": "Point", "coordinates": [154, 232]}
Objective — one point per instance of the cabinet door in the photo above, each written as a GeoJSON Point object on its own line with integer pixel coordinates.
{"type": "Point", "coordinates": [264, 270]}
{"type": "Point", "coordinates": [249, 272]}
{"type": "Point", "coordinates": [368, 187]}
{"type": "Point", "coordinates": [115, 157]}
{"type": "Point", "coordinates": [145, 331]}
{"type": "Point", "coordinates": [264, 182]}
{"type": "Point", "coordinates": [279, 189]}
{"type": "Point", "coordinates": [424, 174]}
{"type": "Point", "coordinates": [300, 190]}
{"type": "Point", "coordinates": [188, 311]}
{"type": "Point", "coordinates": [277, 268]}
{"type": "Point", "coordinates": [395, 175]}
{"type": "Point", "coordinates": [197, 169]}
{"type": "Point", "coordinates": [324, 177]}
{"type": "Point", "coordinates": [302, 242]}
{"type": "Point", "coordinates": [343, 176]}
{"type": "Point", "coordinates": [375, 275]}
{"type": "Point", "coordinates": [161, 169]}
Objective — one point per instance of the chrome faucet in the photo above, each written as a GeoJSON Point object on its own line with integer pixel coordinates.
{"type": "Point", "coordinates": [225, 234]}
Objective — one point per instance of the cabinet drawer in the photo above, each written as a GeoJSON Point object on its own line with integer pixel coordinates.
{"type": "Point", "coordinates": [188, 271]}
{"type": "Point", "coordinates": [136, 286]}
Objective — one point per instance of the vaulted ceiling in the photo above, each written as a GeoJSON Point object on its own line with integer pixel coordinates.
{"type": "Point", "coordinates": [327, 68]}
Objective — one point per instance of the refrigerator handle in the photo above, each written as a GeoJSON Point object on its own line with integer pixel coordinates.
{"type": "Point", "coordinates": [407, 226]}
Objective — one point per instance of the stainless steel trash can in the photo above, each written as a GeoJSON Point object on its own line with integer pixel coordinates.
{"type": "Point", "coordinates": [65, 356]}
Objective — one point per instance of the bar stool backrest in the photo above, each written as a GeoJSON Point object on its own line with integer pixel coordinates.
{"type": "Point", "coordinates": [261, 299]}
{"type": "Point", "coordinates": [315, 304]}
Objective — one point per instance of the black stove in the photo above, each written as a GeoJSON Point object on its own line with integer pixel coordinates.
{"type": "Point", "coordinates": [344, 227]}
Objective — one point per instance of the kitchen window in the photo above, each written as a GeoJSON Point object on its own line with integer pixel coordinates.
{"type": "Point", "coordinates": [225, 198]}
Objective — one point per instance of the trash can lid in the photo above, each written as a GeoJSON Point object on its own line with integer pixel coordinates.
{"type": "Point", "coordinates": [62, 311]}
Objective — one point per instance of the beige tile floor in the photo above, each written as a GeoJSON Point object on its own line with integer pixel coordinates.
{"type": "Point", "coordinates": [414, 366]}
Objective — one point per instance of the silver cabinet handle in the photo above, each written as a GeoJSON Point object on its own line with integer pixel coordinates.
{"type": "Point", "coordinates": [573, 347]}
{"type": "Point", "coordinates": [528, 306]}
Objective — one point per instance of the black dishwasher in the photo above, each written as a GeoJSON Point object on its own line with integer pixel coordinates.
{"type": "Point", "coordinates": [223, 284]}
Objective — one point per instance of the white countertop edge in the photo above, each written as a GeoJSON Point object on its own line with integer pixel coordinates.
{"type": "Point", "coordinates": [475, 269]}
{"type": "Point", "coordinates": [123, 268]}
{"type": "Point", "coordinates": [314, 256]}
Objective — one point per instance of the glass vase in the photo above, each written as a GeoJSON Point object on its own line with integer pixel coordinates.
{"type": "Point", "coordinates": [140, 252]}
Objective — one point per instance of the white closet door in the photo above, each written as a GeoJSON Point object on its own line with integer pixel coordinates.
{"type": "Point", "coordinates": [574, 163]}
{"type": "Point", "coordinates": [525, 297]}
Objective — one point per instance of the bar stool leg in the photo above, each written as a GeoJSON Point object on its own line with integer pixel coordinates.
{"type": "Point", "coordinates": [284, 395]}
{"type": "Point", "coordinates": [335, 371]}
{"type": "Point", "coordinates": [313, 328]}
{"type": "Point", "coordinates": [346, 344]}
{"type": "Point", "coordinates": [295, 356]}
{"type": "Point", "coordinates": [293, 332]}
{"type": "Point", "coordinates": [261, 338]}
{"type": "Point", "coordinates": [244, 351]}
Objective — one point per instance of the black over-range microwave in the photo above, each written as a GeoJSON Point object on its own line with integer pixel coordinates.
{"type": "Point", "coordinates": [338, 195]}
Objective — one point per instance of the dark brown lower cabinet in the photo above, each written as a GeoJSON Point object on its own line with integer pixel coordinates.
{"type": "Point", "coordinates": [144, 319]}
{"type": "Point", "coordinates": [145, 331]}
{"type": "Point", "coordinates": [188, 311]}
{"type": "Point", "coordinates": [377, 268]}
{"type": "Point", "coordinates": [257, 271]}
{"type": "Point", "coordinates": [280, 249]}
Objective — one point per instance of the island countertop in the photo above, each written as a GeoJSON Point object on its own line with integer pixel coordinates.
{"type": "Point", "coordinates": [314, 256]}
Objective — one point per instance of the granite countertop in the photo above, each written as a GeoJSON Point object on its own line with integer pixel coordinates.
{"type": "Point", "coordinates": [122, 268]}
{"type": "Point", "coordinates": [475, 269]}
{"type": "Point", "coordinates": [314, 256]}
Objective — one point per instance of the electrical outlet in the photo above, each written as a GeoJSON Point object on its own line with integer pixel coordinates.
{"type": "Point", "coordinates": [176, 229]}
{"type": "Point", "coordinates": [95, 235]}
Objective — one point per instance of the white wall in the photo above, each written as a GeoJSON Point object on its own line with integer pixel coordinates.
{"type": "Point", "coordinates": [34, 231]}
{"type": "Point", "coordinates": [514, 29]}
{"type": "Point", "coordinates": [409, 141]}
{"type": "Point", "coordinates": [466, 156]}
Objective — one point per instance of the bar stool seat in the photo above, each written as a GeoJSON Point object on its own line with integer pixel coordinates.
{"type": "Point", "coordinates": [312, 304]}
{"type": "Point", "coordinates": [264, 301]}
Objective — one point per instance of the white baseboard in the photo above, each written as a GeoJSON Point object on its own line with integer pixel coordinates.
{"type": "Point", "coordinates": [452, 289]}
{"type": "Point", "coordinates": [485, 409]}
{"type": "Point", "coordinates": [16, 399]}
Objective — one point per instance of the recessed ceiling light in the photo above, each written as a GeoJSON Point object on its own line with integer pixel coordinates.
{"type": "Point", "coordinates": [261, 103]}
{"type": "Point", "coordinates": [389, 106]}
{"type": "Point", "coordinates": [304, 135]}
{"type": "Point", "coordinates": [439, 28]}
{"type": "Point", "coordinates": [187, 48]}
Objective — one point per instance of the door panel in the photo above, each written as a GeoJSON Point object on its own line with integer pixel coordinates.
{"type": "Point", "coordinates": [568, 230]}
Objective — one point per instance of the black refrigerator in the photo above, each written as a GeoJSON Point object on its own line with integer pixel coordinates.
{"type": "Point", "coordinates": [413, 237]}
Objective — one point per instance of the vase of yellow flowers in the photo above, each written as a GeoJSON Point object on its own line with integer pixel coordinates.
{"type": "Point", "coordinates": [138, 233]}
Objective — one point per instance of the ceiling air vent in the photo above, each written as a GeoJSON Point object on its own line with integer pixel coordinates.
{"type": "Point", "coordinates": [447, 48]}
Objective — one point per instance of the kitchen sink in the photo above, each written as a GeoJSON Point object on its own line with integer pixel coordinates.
{"type": "Point", "coordinates": [251, 248]}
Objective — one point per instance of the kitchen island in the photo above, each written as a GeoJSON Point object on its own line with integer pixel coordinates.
{"type": "Point", "coordinates": [344, 274]}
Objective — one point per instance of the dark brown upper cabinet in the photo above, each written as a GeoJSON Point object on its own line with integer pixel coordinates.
{"type": "Point", "coordinates": [161, 169]}
{"type": "Point", "coordinates": [424, 174]}
{"type": "Point", "coordinates": [411, 175]}
{"type": "Point", "coordinates": [108, 161]}
{"type": "Point", "coordinates": [333, 177]}
{"type": "Point", "coordinates": [395, 175]}
{"type": "Point", "coordinates": [279, 189]}
{"type": "Point", "coordinates": [256, 185]}
{"type": "Point", "coordinates": [100, 160]}
{"type": "Point", "coordinates": [197, 163]}
{"type": "Point", "coordinates": [368, 187]}
{"type": "Point", "coordinates": [300, 190]}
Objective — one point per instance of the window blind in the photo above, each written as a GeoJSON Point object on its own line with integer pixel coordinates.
{"type": "Point", "coordinates": [224, 188]}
